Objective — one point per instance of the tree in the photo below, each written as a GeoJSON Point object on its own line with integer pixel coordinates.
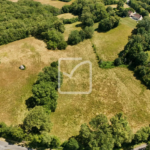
{"type": "Point", "coordinates": [120, 4]}
{"type": "Point", "coordinates": [88, 32]}
{"type": "Point", "coordinates": [44, 141]}
{"type": "Point", "coordinates": [37, 121]}
{"type": "Point", "coordinates": [142, 135]}
{"type": "Point", "coordinates": [97, 135]}
{"type": "Point", "coordinates": [121, 130]}
{"type": "Point", "coordinates": [148, 147]}
{"type": "Point", "coordinates": [117, 61]}
{"type": "Point", "coordinates": [51, 45]}
{"type": "Point", "coordinates": [62, 45]}
{"type": "Point", "coordinates": [109, 9]}
{"type": "Point", "coordinates": [66, 8]}
{"type": "Point", "coordinates": [74, 37]}
{"type": "Point", "coordinates": [58, 24]}
{"type": "Point", "coordinates": [72, 144]}
{"type": "Point", "coordinates": [50, 75]}
{"type": "Point", "coordinates": [45, 95]}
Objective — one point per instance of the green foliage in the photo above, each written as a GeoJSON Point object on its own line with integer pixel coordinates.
{"type": "Point", "coordinates": [12, 133]}
{"type": "Point", "coordinates": [121, 130]}
{"type": "Point", "coordinates": [71, 144]}
{"type": "Point", "coordinates": [138, 6]}
{"type": "Point", "coordinates": [58, 24]}
{"type": "Point", "coordinates": [108, 23]}
{"type": "Point", "coordinates": [45, 95]}
{"type": "Point", "coordinates": [88, 10]}
{"type": "Point", "coordinates": [88, 32]}
{"type": "Point", "coordinates": [49, 75]}
{"type": "Point", "coordinates": [62, 45]}
{"type": "Point", "coordinates": [44, 140]}
{"type": "Point", "coordinates": [106, 64]}
{"type": "Point", "coordinates": [70, 21]}
{"type": "Point", "coordinates": [97, 135]}
{"type": "Point", "coordinates": [27, 17]}
{"type": "Point", "coordinates": [53, 38]}
{"type": "Point", "coordinates": [51, 45]}
{"type": "Point", "coordinates": [37, 121]}
{"type": "Point", "coordinates": [66, 9]}
{"type": "Point", "coordinates": [74, 37]}
{"type": "Point", "coordinates": [148, 147]}
{"type": "Point", "coordinates": [110, 2]}
{"type": "Point", "coordinates": [120, 4]}
{"type": "Point", "coordinates": [118, 62]}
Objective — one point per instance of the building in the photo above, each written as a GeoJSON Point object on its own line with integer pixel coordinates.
{"type": "Point", "coordinates": [137, 17]}
{"type": "Point", "coordinates": [130, 13]}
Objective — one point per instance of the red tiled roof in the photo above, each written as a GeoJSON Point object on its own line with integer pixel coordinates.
{"type": "Point", "coordinates": [137, 16]}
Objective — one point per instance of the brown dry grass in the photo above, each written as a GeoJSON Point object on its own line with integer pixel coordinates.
{"type": "Point", "coordinates": [66, 16]}
{"type": "Point", "coordinates": [55, 3]}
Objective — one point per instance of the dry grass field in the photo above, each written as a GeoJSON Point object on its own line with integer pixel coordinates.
{"type": "Point", "coordinates": [113, 90]}
{"type": "Point", "coordinates": [66, 16]}
{"type": "Point", "coordinates": [55, 3]}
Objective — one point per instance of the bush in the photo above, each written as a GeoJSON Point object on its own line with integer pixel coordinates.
{"type": "Point", "coordinates": [108, 23]}
{"type": "Point", "coordinates": [74, 37]}
{"type": "Point", "coordinates": [106, 65]}
{"type": "Point", "coordinates": [66, 8]}
{"type": "Point", "coordinates": [118, 62]}
{"type": "Point", "coordinates": [88, 32]}
{"type": "Point", "coordinates": [51, 45]}
{"type": "Point", "coordinates": [37, 121]}
{"type": "Point", "coordinates": [62, 45]}
{"type": "Point", "coordinates": [70, 21]}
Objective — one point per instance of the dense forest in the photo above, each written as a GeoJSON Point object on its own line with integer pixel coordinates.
{"type": "Point", "coordinates": [26, 17]}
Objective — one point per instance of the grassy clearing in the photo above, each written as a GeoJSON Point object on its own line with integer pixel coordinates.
{"type": "Point", "coordinates": [67, 16]}
{"type": "Point", "coordinates": [55, 3]}
{"type": "Point", "coordinates": [109, 44]}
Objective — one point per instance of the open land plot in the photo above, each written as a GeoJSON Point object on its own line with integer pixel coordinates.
{"type": "Point", "coordinates": [114, 90]}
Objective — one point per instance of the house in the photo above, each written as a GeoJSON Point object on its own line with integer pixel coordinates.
{"type": "Point", "coordinates": [130, 13]}
{"type": "Point", "coordinates": [137, 17]}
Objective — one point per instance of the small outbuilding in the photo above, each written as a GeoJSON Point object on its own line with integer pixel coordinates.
{"type": "Point", "coordinates": [22, 67]}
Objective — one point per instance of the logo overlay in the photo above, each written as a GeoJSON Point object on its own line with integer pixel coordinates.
{"type": "Point", "coordinates": [70, 76]}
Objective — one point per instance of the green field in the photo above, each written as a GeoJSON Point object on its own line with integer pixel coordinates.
{"type": "Point", "coordinates": [114, 90]}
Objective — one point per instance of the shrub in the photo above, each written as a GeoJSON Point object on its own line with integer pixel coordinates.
{"type": "Point", "coordinates": [62, 45]}
{"type": "Point", "coordinates": [106, 65]}
{"type": "Point", "coordinates": [117, 61]}
{"type": "Point", "coordinates": [37, 121]}
{"type": "Point", "coordinates": [51, 45]}
{"type": "Point", "coordinates": [88, 32]}
{"type": "Point", "coordinates": [70, 21]}
{"type": "Point", "coordinates": [74, 37]}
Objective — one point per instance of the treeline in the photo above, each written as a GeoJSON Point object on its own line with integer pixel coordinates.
{"type": "Point", "coordinates": [138, 7]}
{"type": "Point", "coordinates": [77, 36]}
{"type": "Point", "coordinates": [92, 11]}
{"type": "Point", "coordinates": [135, 52]}
{"type": "Point", "coordinates": [145, 4]}
{"type": "Point", "coordinates": [88, 11]}
{"type": "Point", "coordinates": [110, 2]}
{"type": "Point", "coordinates": [37, 125]}
{"type": "Point", "coordinates": [101, 133]}
{"type": "Point", "coordinates": [27, 17]}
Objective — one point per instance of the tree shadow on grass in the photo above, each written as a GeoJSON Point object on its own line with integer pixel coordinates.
{"type": "Point", "coordinates": [31, 102]}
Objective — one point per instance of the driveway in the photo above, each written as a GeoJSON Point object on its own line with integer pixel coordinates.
{"type": "Point", "coordinates": [7, 146]}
